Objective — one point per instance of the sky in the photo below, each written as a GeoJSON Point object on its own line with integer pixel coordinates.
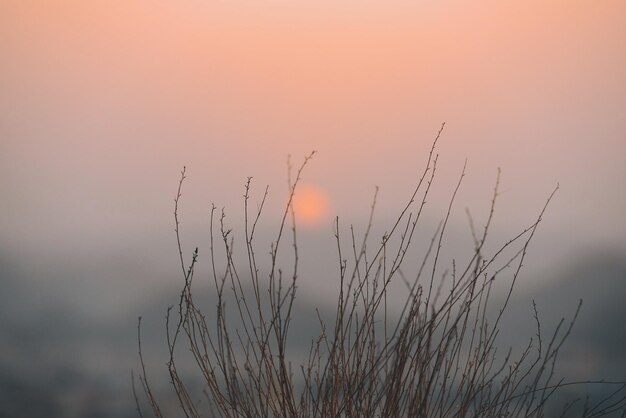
{"type": "Point", "coordinates": [102, 103]}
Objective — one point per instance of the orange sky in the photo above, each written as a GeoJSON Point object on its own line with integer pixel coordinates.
{"type": "Point", "coordinates": [102, 103]}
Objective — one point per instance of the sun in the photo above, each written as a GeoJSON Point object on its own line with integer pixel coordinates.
{"type": "Point", "coordinates": [311, 205]}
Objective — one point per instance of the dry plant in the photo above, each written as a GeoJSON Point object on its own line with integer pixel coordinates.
{"type": "Point", "coordinates": [437, 358]}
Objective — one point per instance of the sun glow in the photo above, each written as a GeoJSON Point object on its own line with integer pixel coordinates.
{"type": "Point", "coordinates": [311, 205]}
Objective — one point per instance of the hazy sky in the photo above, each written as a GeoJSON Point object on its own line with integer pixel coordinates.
{"type": "Point", "coordinates": [103, 102]}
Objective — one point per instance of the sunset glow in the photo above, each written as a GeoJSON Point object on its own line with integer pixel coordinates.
{"type": "Point", "coordinates": [311, 205]}
{"type": "Point", "coordinates": [103, 102]}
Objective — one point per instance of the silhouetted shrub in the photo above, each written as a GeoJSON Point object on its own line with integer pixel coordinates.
{"type": "Point", "coordinates": [437, 358]}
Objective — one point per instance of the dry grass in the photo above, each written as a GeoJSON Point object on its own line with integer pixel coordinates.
{"type": "Point", "coordinates": [438, 358]}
